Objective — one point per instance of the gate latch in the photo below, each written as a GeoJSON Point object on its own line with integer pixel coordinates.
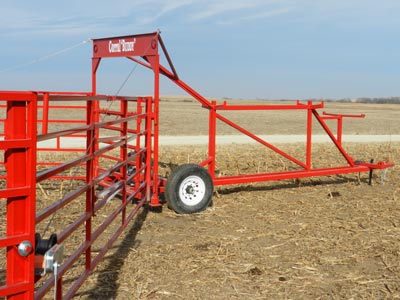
{"type": "Point", "coordinates": [52, 259]}
{"type": "Point", "coordinates": [49, 255]}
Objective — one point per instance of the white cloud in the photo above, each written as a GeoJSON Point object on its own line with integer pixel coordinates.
{"type": "Point", "coordinates": [216, 8]}
{"type": "Point", "coordinates": [65, 18]}
{"type": "Point", "coordinates": [90, 18]}
{"type": "Point", "coordinates": [166, 7]}
{"type": "Point", "coordinates": [84, 17]}
{"type": "Point", "coordinates": [255, 16]}
{"type": "Point", "coordinates": [232, 12]}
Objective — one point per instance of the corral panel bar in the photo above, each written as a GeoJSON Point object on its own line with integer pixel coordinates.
{"type": "Point", "coordinates": [90, 174]}
{"type": "Point", "coordinates": [139, 152]}
{"type": "Point", "coordinates": [124, 155]}
{"type": "Point", "coordinates": [148, 154]}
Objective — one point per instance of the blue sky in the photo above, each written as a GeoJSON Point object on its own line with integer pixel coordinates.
{"type": "Point", "coordinates": [273, 49]}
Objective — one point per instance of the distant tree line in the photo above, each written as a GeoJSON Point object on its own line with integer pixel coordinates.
{"type": "Point", "coordinates": [390, 100]}
{"type": "Point", "coordinates": [381, 100]}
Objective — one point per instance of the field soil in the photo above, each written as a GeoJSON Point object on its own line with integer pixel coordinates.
{"type": "Point", "coordinates": [184, 116]}
{"type": "Point", "coordinates": [333, 237]}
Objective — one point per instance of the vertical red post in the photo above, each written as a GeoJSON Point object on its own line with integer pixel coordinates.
{"type": "Point", "coordinates": [20, 163]}
{"type": "Point", "coordinates": [155, 63]}
{"type": "Point", "coordinates": [30, 170]}
{"type": "Point", "coordinates": [148, 153]}
{"type": "Point", "coordinates": [309, 135]}
{"type": "Point", "coordinates": [124, 155]}
{"type": "Point", "coordinates": [339, 129]}
{"type": "Point", "coordinates": [138, 160]}
{"type": "Point", "coordinates": [95, 65]}
{"type": "Point", "coordinates": [212, 133]}
{"type": "Point", "coordinates": [90, 173]}
{"type": "Point", "coordinates": [45, 115]}
{"type": "Point", "coordinates": [59, 288]}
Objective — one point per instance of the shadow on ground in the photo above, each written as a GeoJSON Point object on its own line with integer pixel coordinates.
{"type": "Point", "coordinates": [115, 262]}
{"type": "Point", "coordinates": [339, 179]}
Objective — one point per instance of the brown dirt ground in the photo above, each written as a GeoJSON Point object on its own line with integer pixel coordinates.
{"type": "Point", "coordinates": [331, 237]}
{"type": "Point", "coordinates": [184, 116]}
{"type": "Point", "coordinates": [334, 237]}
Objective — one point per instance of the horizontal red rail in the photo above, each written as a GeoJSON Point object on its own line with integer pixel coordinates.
{"type": "Point", "coordinates": [297, 106]}
{"type": "Point", "coordinates": [287, 175]}
{"type": "Point", "coordinates": [361, 116]}
{"type": "Point", "coordinates": [13, 240]}
{"type": "Point", "coordinates": [15, 289]}
{"type": "Point", "coordinates": [14, 144]}
{"type": "Point", "coordinates": [49, 210]}
{"type": "Point", "coordinates": [14, 192]}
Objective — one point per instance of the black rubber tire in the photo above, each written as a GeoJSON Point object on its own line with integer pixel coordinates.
{"type": "Point", "coordinates": [189, 189]}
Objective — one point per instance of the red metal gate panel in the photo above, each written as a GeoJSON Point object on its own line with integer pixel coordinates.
{"type": "Point", "coordinates": [115, 158]}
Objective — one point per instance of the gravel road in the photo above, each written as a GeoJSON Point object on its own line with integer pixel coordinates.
{"type": "Point", "coordinates": [237, 139]}
{"type": "Point", "coordinates": [274, 139]}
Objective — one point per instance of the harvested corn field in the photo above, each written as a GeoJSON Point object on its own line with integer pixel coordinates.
{"type": "Point", "coordinates": [319, 238]}
{"type": "Point", "coordinates": [331, 237]}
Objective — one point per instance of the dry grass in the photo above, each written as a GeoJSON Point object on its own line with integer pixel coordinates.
{"type": "Point", "coordinates": [186, 117]}
{"type": "Point", "coordinates": [319, 238]}
{"type": "Point", "coordinates": [326, 238]}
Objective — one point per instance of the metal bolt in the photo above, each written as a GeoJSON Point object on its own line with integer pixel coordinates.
{"type": "Point", "coordinates": [25, 248]}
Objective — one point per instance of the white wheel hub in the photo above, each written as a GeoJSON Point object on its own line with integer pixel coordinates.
{"type": "Point", "coordinates": [192, 190]}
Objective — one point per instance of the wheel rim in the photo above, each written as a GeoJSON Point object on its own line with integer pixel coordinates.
{"type": "Point", "coordinates": [192, 190]}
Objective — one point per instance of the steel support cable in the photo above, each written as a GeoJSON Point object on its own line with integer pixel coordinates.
{"type": "Point", "coordinates": [134, 68]}
{"type": "Point", "coordinates": [128, 76]}
{"type": "Point", "coordinates": [37, 60]}
{"type": "Point", "coordinates": [40, 59]}
{"type": "Point", "coordinates": [46, 57]}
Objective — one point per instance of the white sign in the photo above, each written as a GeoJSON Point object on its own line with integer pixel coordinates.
{"type": "Point", "coordinates": [121, 46]}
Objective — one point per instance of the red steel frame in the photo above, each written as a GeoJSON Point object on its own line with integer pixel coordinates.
{"type": "Point", "coordinates": [20, 148]}
{"type": "Point", "coordinates": [146, 46]}
{"type": "Point", "coordinates": [145, 51]}
{"type": "Point", "coordinates": [306, 169]}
